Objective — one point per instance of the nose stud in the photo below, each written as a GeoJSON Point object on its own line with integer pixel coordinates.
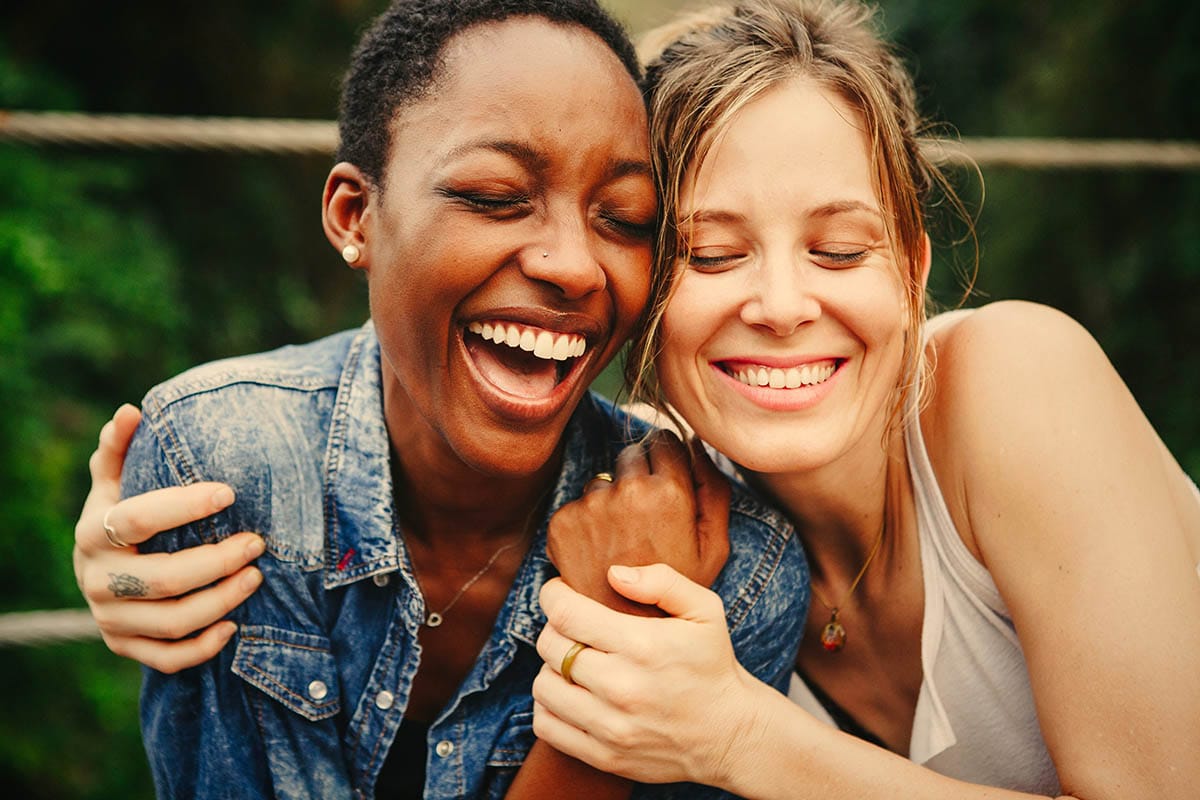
{"type": "Point", "coordinates": [545, 254]}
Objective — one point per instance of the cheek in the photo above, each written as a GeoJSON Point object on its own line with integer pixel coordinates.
{"type": "Point", "coordinates": [630, 284]}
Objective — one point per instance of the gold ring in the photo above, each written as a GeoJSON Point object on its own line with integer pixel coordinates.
{"type": "Point", "coordinates": [569, 660]}
{"type": "Point", "coordinates": [604, 477]}
{"type": "Point", "coordinates": [110, 533]}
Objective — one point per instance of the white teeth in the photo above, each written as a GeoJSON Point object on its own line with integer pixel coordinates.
{"type": "Point", "coordinates": [543, 344]}
{"type": "Point", "coordinates": [791, 378]}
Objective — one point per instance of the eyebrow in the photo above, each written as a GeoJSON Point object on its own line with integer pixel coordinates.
{"type": "Point", "coordinates": [535, 161]}
{"type": "Point", "coordinates": [842, 207]}
{"type": "Point", "coordinates": [825, 210]}
{"type": "Point", "coordinates": [521, 152]}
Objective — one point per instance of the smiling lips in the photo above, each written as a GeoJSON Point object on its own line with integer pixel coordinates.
{"type": "Point", "coordinates": [542, 343]}
{"type": "Point", "coordinates": [758, 375]}
{"type": "Point", "coordinates": [523, 361]}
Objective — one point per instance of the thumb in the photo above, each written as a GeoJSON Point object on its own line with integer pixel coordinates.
{"type": "Point", "coordinates": [662, 586]}
{"type": "Point", "coordinates": [115, 436]}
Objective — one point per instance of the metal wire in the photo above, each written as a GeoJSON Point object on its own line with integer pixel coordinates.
{"type": "Point", "coordinates": [315, 137]}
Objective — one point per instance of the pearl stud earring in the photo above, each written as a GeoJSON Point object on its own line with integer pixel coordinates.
{"type": "Point", "coordinates": [350, 253]}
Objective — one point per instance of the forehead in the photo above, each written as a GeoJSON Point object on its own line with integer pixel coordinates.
{"type": "Point", "coordinates": [527, 78]}
{"type": "Point", "coordinates": [796, 142]}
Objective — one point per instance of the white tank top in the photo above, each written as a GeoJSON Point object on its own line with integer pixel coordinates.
{"type": "Point", "coordinates": [975, 718]}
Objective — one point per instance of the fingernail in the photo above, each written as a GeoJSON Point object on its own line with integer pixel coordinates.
{"type": "Point", "coordinates": [256, 547]}
{"type": "Point", "coordinates": [625, 574]}
{"type": "Point", "coordinates": [251, 580]}
{"type": "Point", "coordinates": [222, 497]}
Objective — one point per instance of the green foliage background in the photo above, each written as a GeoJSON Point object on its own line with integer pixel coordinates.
{"type": "Point", "coordinates": [120, 268]}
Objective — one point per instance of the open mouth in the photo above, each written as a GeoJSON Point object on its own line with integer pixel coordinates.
{"type": "Point", "coordinates": [523, 360]}
{"type": "Point", "coordinates": [758, 375]}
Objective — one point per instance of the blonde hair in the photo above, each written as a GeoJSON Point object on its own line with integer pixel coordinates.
{"type": "Point", "coordinates": [704, 67]}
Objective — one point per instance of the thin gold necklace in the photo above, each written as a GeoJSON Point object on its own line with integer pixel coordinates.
{"type": "Point", "coordinates": [833, 635]}
{"type": "Point", "coordinates": [436, 618]}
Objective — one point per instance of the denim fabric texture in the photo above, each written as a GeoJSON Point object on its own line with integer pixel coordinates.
{"type": "Point", "coordinates": [306, 698]}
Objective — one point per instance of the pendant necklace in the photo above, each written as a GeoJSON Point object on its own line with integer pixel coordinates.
{"type": "Point", "coordinates": [436, 618]}
{"type": "Point", "coordinates": [833, 635]}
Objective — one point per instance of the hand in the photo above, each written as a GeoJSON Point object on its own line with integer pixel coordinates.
{"type": "Point", "coordinates": [663, 507]}
{"type": "Point", "coordinates": [654, 700]}
{"type": "Point", "coordinates": [135, 597]}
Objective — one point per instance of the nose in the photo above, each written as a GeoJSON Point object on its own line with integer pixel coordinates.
{"type": "Point", "coordinates": [779, 298]}
{"type": "Point", "coordinates": [565, 258]}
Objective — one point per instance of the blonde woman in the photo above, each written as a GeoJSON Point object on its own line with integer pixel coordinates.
{"type": "Point", "coordinates": [1003, 553]}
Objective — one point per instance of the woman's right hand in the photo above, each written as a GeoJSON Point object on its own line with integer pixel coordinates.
{"type": "Point", "coordinates": [148, 605]}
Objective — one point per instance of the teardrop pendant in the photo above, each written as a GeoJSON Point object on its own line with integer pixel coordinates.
{"type": "Point", "coordinates": [833, 635]}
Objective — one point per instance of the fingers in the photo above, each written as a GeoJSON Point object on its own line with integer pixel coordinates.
{"type": "Point", "coordinates": [712, 510]}
{"type": "Point", "coordinates": [584, 620]}
{"type": "Point", "coordinates": [668, 456]}
{"type": "Point", "coordinates": [554, 648]}
{"type": "Point", "coordinates": [153, 576]}
{"type": "Point", "coordinates": [171, 657]}
{"type": "Point", "coordinates": [135, 519]}
{"type": "Point", "coordinates": [175, 617]}
{"type": "Point", "coordinates": [660, 585]}
{"type": "Point", "coordinates": [631, 461]}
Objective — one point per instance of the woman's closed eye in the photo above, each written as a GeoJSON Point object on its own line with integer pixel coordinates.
{"type": "Point", "coordinates": [707, 259]}
{"type": "Point", "coordinates": [840, 257]}
{"type": "Point", "coordinates": [627, 226]}
{"type": "Point", "coordinates": [496, 203]}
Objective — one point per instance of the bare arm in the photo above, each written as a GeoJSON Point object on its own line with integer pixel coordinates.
{"type": "Point", "coordinates": [1075, 512]}
{"type": "Point", "coordinates": [141, 602]}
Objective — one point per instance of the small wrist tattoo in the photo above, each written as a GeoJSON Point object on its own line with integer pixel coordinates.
{"type": "Point", "coordinates": [123, 585]}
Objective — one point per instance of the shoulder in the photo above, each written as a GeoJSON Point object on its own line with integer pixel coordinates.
{"type": "Point", "coordinates": [1023, 405]}
{"type": "Point", "coordinates": [1010, 369]}
{"type": "Point", "coordinates": [315, 365]}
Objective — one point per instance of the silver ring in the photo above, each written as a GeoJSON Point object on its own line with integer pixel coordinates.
{"type": "Point", "coordinates": [110, 533]}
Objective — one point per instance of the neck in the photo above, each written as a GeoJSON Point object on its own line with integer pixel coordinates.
{"type": "Point", "coordinates": [444, 500]}
{"type": "Point", "coordinates": [840, 508]}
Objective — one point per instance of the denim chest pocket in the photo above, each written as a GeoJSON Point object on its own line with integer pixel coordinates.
{"type": "Point", "coordinates": [296, 669]}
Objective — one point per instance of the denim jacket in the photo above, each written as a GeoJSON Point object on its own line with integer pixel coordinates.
{"type": "Point", "coordinates": [305, 700]}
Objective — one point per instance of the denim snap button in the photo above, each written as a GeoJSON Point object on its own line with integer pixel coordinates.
{"type": "Point", "coordinates": [317, 690]}
{"type": "Point", "coordinates": [444, 748]}
{"type": "Point", "coordinates": [384, 700]}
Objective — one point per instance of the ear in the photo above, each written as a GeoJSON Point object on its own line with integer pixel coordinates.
{"type": "Point", "coordinates": [345, 207]}
{"type": "Point", "coordinates": [926, 261]}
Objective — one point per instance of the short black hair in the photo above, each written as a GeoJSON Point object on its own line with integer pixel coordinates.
{"type": "Point", "coordinates": [399, 56]}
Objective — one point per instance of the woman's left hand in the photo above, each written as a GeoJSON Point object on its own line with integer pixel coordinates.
{"type": "Point", "coordinates": [655, 700]}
